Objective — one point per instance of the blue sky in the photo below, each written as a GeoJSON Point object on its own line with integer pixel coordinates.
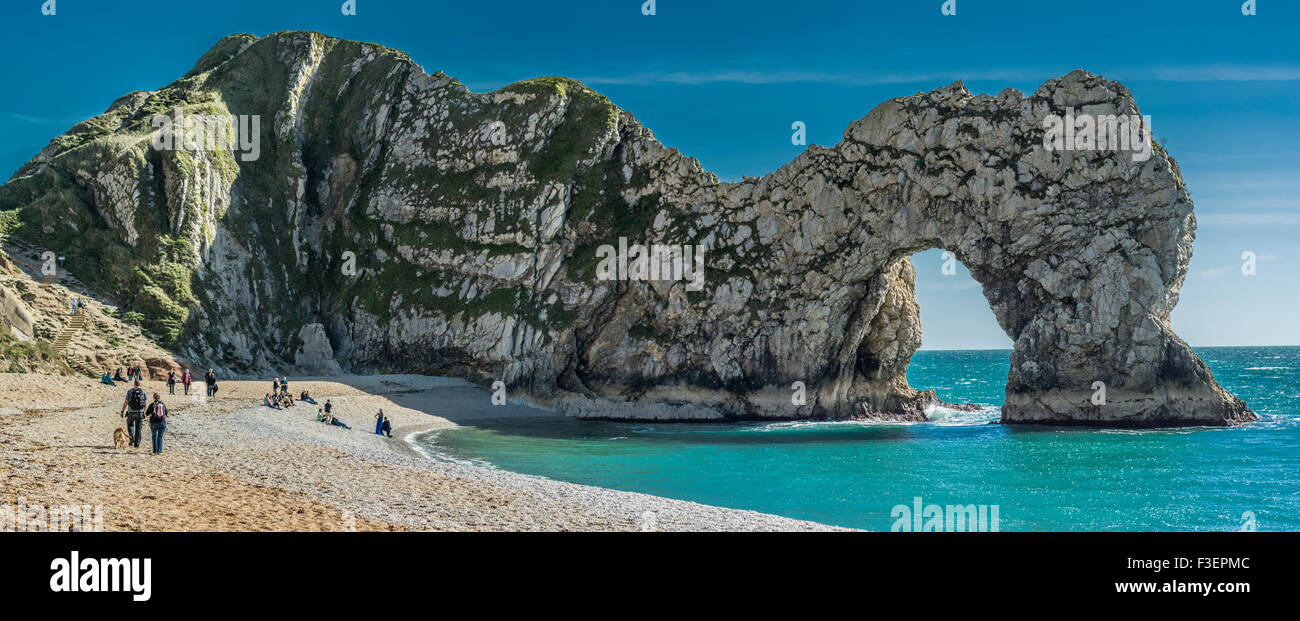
{"type": "Point", "coordinates": [724, 80]}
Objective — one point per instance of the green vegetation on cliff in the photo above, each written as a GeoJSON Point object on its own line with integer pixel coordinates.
{"type": "Point", "coordinates": [174, 235]}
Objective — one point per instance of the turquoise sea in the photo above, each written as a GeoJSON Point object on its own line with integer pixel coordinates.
{"type": "Point", "coordinates": [854, 474]}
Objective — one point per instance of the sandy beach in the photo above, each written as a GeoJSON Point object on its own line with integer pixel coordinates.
{"type": "Point", "coordinates": [231, 465]}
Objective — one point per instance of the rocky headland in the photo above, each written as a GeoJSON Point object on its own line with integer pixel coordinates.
{"type": "Point", "coordinates": [391, 220]}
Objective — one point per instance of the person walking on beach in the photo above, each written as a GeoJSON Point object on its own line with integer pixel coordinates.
{"type": "Point", "coordinates": [157, 422]}
{"type": "Point", "coordinates": [135, 402]}
{"type": "Point", "coordinates": [211, 380]}
{"type": "Point", "coordinates": [186, 379]}
{"type": "Point", "coordinates": [379, 423]}
{"type": "Point", "coordinates": [171, 382]}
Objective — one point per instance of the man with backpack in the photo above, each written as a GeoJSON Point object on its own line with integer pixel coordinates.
{"type": "Point", "coordinates": [135, 401]}
{"type": "Point", "coordinates": [211, 380]}
{"type": "Point", "coordinates": [157, 422]}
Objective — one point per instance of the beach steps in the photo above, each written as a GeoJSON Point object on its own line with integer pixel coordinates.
{"type": "Point", "coordinates": [81, 366]}
{"type": "Point", "coordinates": [47, 280]}
{"type": "Point", "coordinates": [65, 335]}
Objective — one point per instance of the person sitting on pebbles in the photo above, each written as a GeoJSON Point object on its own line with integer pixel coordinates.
{"type": "Point", "coordinates": [329, 418]}
{"type": "Point", "coordinates": [269, 402]}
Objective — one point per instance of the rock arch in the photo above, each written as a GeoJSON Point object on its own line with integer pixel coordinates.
{"type": "Point", "coordinates": [474, 246]}
{"type": "Point", "coordinates": [1080, 254]}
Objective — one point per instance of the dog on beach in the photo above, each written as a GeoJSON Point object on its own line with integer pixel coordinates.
{"type": "Point", "coordinates": [119, 438]}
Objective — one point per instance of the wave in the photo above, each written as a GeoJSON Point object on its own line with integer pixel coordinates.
{"type": "Point", "coordinates": [942, 415]}
{"type": "Point", "coordinates": [791, 425]}
{"type": "Point", "coordinates": [427, 448]}
{"type": "Point", "coordinates": [934, 414]}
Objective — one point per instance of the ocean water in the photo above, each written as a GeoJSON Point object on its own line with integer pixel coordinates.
{"type": "Point", "coordinates": [855, 474]}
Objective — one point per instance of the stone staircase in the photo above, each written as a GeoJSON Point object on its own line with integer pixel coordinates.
{"type": "Point", "coordinates": [81, 366]}
{"type": "Point", "coordinates": [48, 279]}
{"type": "Point", "coordinates": [65, 335]}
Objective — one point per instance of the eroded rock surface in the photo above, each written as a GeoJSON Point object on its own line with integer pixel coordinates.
{"type": "Point", "coordinates": [473, 223]}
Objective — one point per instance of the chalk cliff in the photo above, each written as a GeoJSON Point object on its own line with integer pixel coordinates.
{"type": "Point", "coordinates": [393, 220]}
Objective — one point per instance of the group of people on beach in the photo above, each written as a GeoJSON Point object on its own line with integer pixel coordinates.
{"type": "Point", "coordinates": [133, 372]}
{"type": "Point", "coordinates": [136, 407]}
{"type": "Point", "coordinates": [279, 398]}
{"type": "Point", "coordinates": [184, 379]}
{"type": "Point", "coordinates": [326, 415]}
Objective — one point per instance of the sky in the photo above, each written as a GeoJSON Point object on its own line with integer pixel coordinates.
{"type": "Point", "coordinates": [724, 81]}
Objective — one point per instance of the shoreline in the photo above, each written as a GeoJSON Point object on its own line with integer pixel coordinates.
{"type": "Point", "coordinates": [229, 464]}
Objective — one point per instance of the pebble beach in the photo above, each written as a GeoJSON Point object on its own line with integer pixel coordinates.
{"type": "Point", "coordinates": [230, 464]}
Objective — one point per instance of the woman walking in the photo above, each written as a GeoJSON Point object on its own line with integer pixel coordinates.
{"type": "Point", "coordinates": [157, 422]}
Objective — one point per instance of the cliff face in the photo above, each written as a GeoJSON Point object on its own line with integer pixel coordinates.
{"type": "Point", "coordinates": [393, 220]}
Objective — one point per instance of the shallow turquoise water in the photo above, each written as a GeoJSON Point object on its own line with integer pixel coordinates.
{"type": "Point", "coordinates": [853, 474]}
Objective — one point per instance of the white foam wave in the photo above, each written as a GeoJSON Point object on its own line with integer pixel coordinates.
{"type": "Point", "coordinates": [426, 448]}
{"type": "Point", "coordinates": [943, 415]}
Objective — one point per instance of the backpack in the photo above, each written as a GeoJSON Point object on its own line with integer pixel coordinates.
{"type": "Point", "coordinates": [154, 416]}
{"type": "Point", "coordinates": [136, 399]}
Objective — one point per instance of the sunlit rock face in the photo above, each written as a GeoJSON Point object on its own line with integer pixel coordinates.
{"type": "Point", "coordinates": [395, 221]}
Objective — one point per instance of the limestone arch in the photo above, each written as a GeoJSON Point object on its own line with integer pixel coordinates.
{"type": "Point", "coordinates": [1080, 256]}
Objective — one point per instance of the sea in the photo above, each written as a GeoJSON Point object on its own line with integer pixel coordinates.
{"type": "Point", "coordinates": [875, 476]}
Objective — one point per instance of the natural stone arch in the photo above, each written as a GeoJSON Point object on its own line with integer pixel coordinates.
{"type": "Point", "coordinates": [475, 244]}
{"type": "Point", "coordinates": [1080, 254]}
